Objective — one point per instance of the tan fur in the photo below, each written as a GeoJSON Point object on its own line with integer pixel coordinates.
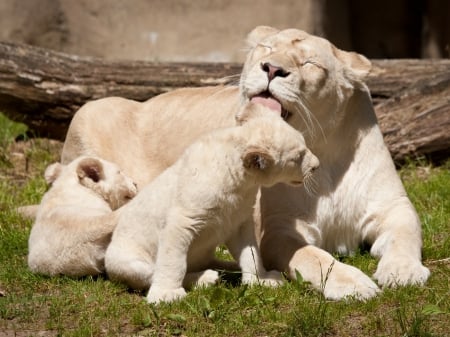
{"type": "Point", "coordinates": [357, 196]}
{"type": "Point", "coordinates": [75, 219]}
{"type": "Point", "coordinates": [205, 199]}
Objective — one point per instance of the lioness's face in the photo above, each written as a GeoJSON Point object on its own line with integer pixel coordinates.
{"type": "Point", "coordinates": [303, 77]}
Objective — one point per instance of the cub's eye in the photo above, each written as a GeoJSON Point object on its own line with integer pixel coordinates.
{"type": "Point", "coordinates": [301, 154]}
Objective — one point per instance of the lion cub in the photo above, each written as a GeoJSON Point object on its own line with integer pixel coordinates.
{"type": "Point", "coordinates": [169, 232]}
{"type": "Point", "coordinates": [75, 219]}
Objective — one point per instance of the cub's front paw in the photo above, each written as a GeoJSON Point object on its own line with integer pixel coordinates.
{"type": "Point", "coordinates": [269, 278]}
{"type": "Point", "coordinates": [157, 295]}
{"type": "Point", "coordinates": [207, 278]}
{"type": "Point", "coordinates": [400, 271]}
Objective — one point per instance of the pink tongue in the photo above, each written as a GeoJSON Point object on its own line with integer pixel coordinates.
{"type": "Point", "coordinates": [269, 102]}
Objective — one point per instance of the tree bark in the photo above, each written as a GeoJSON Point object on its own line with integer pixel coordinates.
{"type": "Point", "coordinates": [44, 88]}
{"type": "Point", "coordinates": [416, 121]}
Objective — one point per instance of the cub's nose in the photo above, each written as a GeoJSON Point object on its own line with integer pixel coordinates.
{"type": "Point", "coordinates": [273, 71]}
{"type": "Point", "coordinates": [313, 162]}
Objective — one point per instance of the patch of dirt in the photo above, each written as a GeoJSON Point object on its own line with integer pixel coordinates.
{"type": "Point", "coordinates": [26, 333]}
{"type": "Point", "coordinates": [25, 159]}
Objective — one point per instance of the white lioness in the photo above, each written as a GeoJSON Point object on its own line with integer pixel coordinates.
{"type": "Point", "coordinates": [75, 219]}
{"type": "Point", "coordinates": [205, 199]}
{"type": "Point", "coordinates": [319, 89]}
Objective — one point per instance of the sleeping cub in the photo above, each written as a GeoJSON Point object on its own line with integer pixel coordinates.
{"type": "Point", "coordinates": [75, 219]}
{"type": "Point", "coordinates": [169, 232]}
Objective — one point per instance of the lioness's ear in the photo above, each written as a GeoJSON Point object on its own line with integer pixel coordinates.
{"type": "Point", "coordinates": [90, 168]}
{"type": "Point", "coordinates": [257, 159]}
{"type": "Point", "coordinates": [258, 34]}
{"type": "Point", "coordinates": [52, 172]}
{"type": "Point", "coordinates": [359, 64]}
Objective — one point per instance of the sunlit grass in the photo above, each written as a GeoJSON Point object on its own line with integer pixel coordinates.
{"type": "Point", "coordinates": [37, 305]}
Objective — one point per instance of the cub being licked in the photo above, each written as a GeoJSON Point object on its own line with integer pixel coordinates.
{"type": "Point", "coordinates": [167, 235]}
{"type": "Point", "coordinates": [75, 219]}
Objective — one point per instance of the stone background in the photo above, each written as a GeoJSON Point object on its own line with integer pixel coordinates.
{"type": "Point", "coordinates": [215, 30]}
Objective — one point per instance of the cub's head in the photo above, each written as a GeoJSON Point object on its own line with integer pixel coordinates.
{"type": "Point", "coordinates": [98, 175]}
{"type": "Point", "coordinates": [302, 77]}
{"type": "Point", "coordinates": [274, 151]}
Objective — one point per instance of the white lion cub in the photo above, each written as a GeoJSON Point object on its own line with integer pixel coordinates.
{"type": "Point", "coordinates": [75, 219]}
{"type": "Point", "coordinates": [169, 232]}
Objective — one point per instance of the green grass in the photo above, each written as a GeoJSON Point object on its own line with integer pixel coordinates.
{"type": "Point", "coordinates": [9, 130]}
{"type": "Point", "coordinates": [33, 305]}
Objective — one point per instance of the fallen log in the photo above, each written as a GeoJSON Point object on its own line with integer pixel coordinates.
{"type": "Point", "coordinates": [44, 88]}
{"type": "Point", "coordinates": [417, 120]}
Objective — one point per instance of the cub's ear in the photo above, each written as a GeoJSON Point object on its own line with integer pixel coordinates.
{"type": "Point", "coordinates": [257, 159]}
{"type": "Point", "coordinates": [90, 168]}
{"type": "Point", "coordinates": [358, 63]}
{"type": "Point", "coordinates": [251, 111]}
{"type": "Point", "coordinates": [52, 172]}
{"type": "Point", "coordinates": [246, 112]}
{"type": "Point", "coordinates": [258, 34]}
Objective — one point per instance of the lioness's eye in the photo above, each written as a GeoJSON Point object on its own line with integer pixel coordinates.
{"type": "Point", "coordinates": [263, 45]}
{"type": "Point", "coordinates": [314, 63]}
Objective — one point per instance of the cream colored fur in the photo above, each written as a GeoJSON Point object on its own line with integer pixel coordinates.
{"type": "Point", "coordinates": [206, 199]}
{"type": "Point", "coordinates": [75, 219]}
{"type": "Point", "coordinates": [358, 196]}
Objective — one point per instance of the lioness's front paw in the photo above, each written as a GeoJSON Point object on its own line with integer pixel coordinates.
{"type": "Point", "coordinates": [158, 295]}
{"type": "Point", "coordinates": [345, 281]}
{"type": "Point", "coordinates": [401, 271]}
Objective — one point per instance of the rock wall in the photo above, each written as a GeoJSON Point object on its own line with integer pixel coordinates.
{"type": "Point", "coordinates": [215, 30]}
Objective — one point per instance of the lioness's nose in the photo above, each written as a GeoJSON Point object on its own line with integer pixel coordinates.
{"type": "Point", "coordinates": [273, 71]}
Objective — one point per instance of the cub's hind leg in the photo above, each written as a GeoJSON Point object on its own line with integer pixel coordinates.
{"type": "Point", "coordinates": [130, 266]}
{"type": "Point", "coordinates": [244, 248]}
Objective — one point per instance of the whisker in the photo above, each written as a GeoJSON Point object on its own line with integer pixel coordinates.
{"type": "Point", "coordinates": [310, 184]}
{"type": "Point", "coordinates": [225, 80]}
{"type": "Point", "coordinates": [311, 118]}
{"type": "Point", "coordinates": [305, 116]}
{"type": "Point", "coordinates": [231, 79]}
{"type": "Point", "coordinates": [306, 103]}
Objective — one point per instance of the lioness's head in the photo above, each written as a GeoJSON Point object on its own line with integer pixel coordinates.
{"type": "Point", "coordinates": [303, 77]}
